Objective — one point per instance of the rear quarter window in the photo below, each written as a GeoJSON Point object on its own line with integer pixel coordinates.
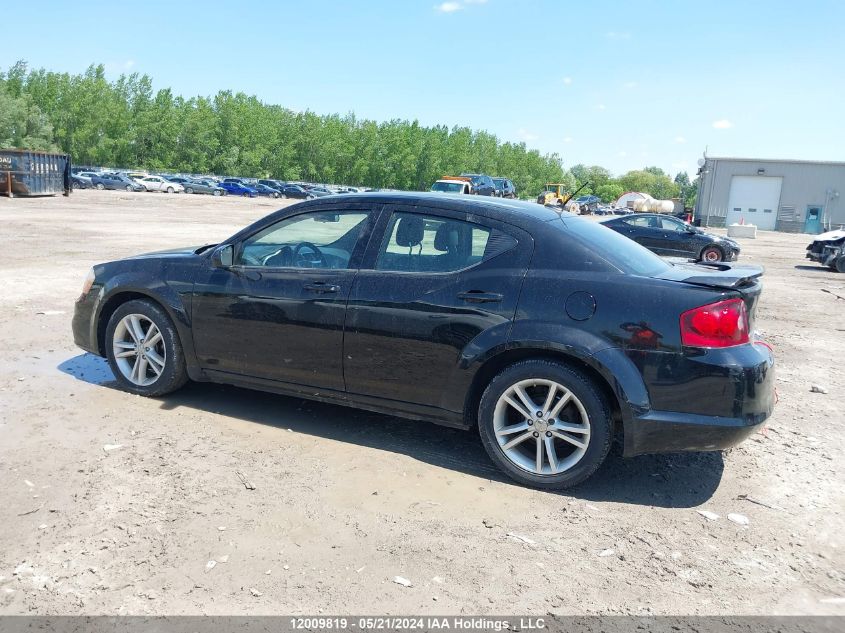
{"type": "Point", "coordinates": [597, 247]}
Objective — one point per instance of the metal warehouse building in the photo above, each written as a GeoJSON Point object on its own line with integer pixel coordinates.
{"type": "Point", "coordinates": [776, 195]}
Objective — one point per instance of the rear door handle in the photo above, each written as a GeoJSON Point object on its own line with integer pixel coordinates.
{"type": "Point", "coordinates": [478, 296]}
{"type": "Point", "coordinates": [321, 287]}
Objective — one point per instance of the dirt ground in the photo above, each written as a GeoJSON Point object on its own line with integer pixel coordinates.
{"type": "Point", "coordinates": [345, 501]}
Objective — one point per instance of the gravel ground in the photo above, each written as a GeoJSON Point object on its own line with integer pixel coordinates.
{"type": "Point", "coordinates": [345, 501]}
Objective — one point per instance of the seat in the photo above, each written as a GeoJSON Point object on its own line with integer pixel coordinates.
{"type": "Point", "coordinates": [448, 240]}
{"type": "Point", "coordinates": [409, 233]}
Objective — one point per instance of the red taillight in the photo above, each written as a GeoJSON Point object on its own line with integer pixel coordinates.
{"type": "Point", "coordinates": [720, 324]}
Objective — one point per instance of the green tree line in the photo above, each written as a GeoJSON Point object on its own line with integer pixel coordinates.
{"type": "Point", "coordinates": [125, 123]}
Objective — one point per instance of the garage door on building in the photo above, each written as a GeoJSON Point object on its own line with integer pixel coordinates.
{"type": "Point", "coordinates": [755, 200]}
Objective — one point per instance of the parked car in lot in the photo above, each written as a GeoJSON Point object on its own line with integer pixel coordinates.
{"type": "Point", "coordinates": [296, 191]}
{"type": "Point", "coordinates": [828, 249]}
{"type": "Point", "coordinates": [274, 184]}
{"type": "Point", "coordinates": [319, 192]}
{"type": "Point", "coordinates": [236, 188]}
{"type": "Point", "coordinates": [264, 190]}
{"type": "Point", "coordinates": [195, 185]}
{"type": "Point", "coordinates": [157, 183]}
{"type": "Point", "coordinates": [669, 236]}
{"type": "Point", "coordinates": [85, 178]}
{"type": "Point", "coordinates": [451, 185]}
{"type": "Point", "coordinates": [204, 186]}
{"type": "Point", "coordinates": [115, 182]}
{"type": "Point", "coordinates": [547, 332]}
{"type": "Point", "coordinates": [504, 188]}
{"type": "Point", "coordinates": [80, 182]}
{"type": "Point", "coordinates": [482, 185]}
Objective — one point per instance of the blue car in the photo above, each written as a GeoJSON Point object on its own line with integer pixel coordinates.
{"type": "Point", "coordinates": [239, 189]}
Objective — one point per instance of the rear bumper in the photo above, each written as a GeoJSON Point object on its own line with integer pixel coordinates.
{"type": "Point", "coordinates": [726, 396]}
{"type": "Point", "coordinates": [670, 432]}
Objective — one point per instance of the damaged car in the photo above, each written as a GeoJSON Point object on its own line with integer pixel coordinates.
{"type": "Point", "coordinates": [548, 333]}
{"type": "Point", "coordinates": [828, 249]}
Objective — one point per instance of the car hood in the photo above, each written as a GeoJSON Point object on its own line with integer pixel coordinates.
{"type": "Point", "coordinates": [719, 275]}
{"type": "Point", "coordinates": [830, 235]}
{"type": "Point", "coordinates": [173, 252]}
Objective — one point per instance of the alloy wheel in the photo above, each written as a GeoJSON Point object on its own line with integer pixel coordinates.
{"type": "Point", "coordinates": [541, 426]}
{"type": "Point", "coordinates": [139, 350]}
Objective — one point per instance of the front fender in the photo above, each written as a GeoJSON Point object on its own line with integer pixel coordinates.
{"type": "Point", "coordinates": [173, 296]}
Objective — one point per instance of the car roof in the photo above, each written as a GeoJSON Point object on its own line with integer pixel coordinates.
{"type": "Point", "coordinates": [515, 211]}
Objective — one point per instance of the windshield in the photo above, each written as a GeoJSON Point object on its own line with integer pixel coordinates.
{"type": "Point", "coordinates": [500, 182]}
{"type": "Point", "coordinates": [448, 187]}
{"type": "Point", "coordinates": [623, 253]}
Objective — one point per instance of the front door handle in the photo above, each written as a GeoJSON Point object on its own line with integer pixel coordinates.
{"type": "Point", "coordinates": [321, 287]}
{"type": "Point", "coordinates": [478, 296]}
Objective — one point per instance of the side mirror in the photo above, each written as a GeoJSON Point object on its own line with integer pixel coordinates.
{"type": "Point", "coordinates": [223, 256]}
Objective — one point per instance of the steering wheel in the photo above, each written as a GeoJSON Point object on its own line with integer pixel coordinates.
{"type": "Point", "coordinates": [317, 261]}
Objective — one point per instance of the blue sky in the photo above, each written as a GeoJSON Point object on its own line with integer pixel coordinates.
{"type": "Point", "coordinates": [623, 84]}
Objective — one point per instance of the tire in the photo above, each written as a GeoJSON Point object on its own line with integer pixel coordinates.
{"type": "Point", "coordinates": [129, 188]}
{"type": "Point", "coordinates": [712, 254]}
{"type": "Point", "coordinates": [189, 190]}
{"type": "Point", "coordinates": [840, 264]}
{"type": "Point", "coordinates": [100, 186]}
{"type": "Point", "coordinates": [169, 360]}
{"type": "Point", "coordinates": [217, 193]}
{"type": "Point", "coordinates": [246, 195]}
{"type": "Point", "coordinates": [283, 196]}
{"type": "Point", "coordinates": [171, 190]}
{"type": "Point", "coordinates": [275, 195]}
{"type": "Point", "coordinates": [586, 415]}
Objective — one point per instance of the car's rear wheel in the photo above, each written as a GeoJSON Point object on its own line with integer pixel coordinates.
{"type": "Point", "coordinates": [217, 193]}
{"type": "Point", "coordinates": [712, 254]}
{"type": "Point", "coordinates": [100, 186]}
{"type": "Point", "coordinates": [144, 350]}
{"type": "Point", "coordinates": [544, 424]}
{"type": "Point", "coordinates": [171, 190]}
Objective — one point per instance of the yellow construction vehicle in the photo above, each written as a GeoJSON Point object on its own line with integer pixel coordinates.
{"type": "Point", "coordinates": [554, 194]}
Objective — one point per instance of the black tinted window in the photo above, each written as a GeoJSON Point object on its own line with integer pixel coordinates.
{"type": "Point", "coordinates": [622, 253]}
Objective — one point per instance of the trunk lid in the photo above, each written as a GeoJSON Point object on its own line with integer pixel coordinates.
{"type": "Point", "coordinates": [741, 278]}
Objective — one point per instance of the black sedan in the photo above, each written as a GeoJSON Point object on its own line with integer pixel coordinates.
{"type": "Point", "coordinates": [671, 237]}
{"type": "Point", "coordinates": [267, 192]}
{"type": "Point", "coordinates": [296, 191]}
{"type": "Point", "coordinates": [547, 332]}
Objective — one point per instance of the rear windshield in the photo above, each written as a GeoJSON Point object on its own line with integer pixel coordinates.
{"type": "Point", "coordinates": [621, 252]}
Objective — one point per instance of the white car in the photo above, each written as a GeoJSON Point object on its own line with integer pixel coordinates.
{"type": "Point", "coordinates": [452, 185]}
{"type": "Point", "coordinates": [157, 183]}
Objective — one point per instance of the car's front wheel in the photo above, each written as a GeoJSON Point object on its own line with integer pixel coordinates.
{"type": "Point", "coordinates": [545, 424]}
{"type": "Point", "coordinates": [712, 254]}
{"type": "Point", "coordinates": [100, 186]}
{"type": "Point", "coordinates": [189, 190]}
{"type": "Point", "coordinates": [144, 350]}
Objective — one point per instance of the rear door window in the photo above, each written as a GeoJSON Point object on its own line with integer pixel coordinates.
{"type": "Point", "coordinates": [432, 244]}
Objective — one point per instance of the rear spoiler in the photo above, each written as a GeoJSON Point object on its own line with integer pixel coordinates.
{"type": "Point", "coordinates": [715, 275]}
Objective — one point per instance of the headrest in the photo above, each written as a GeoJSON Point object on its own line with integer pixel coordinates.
{"type": "Point", "coordinates": [410, 231]}
{"type": "Point", "coordinates": [446, 238]}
